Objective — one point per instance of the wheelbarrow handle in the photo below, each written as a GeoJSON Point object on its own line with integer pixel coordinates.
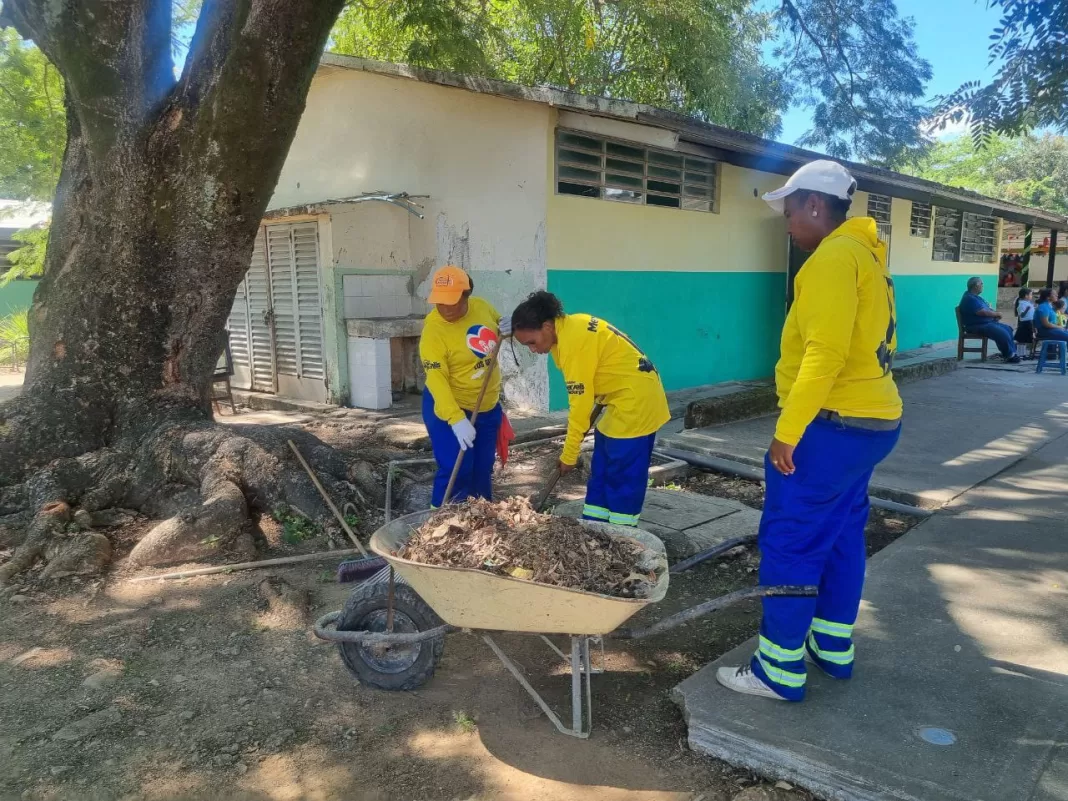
{"type": "Point", "coordinates": [694, 612]}
{"type": "Point", "coordinates": [324, 631]}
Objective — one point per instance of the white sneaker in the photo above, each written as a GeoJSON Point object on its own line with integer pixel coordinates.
{"type": "Point", "coordinates": [810, 661]}
{"type": "Point", "coordinates": [742, 680]}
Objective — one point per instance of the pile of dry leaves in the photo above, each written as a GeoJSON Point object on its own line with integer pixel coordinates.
{"type": "Point", "coordinates": [509, 538]}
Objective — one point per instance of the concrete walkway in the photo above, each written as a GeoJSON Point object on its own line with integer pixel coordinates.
{"type": "Point", "coordinates": [961, 689]}
{"type": "Point", "coordinates": [960, 430]}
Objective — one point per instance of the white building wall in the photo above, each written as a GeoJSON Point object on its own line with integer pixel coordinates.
{"type": "Point", "coordinates": [481, 161]}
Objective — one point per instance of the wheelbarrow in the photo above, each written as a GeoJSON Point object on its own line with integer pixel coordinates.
{"type": "Point", "coordinates": [391, 633]}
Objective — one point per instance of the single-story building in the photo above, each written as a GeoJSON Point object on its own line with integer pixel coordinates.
{"type": "Point", "coordinates": [15, 216]}
{"type": "Point", "coordinates": [647, 218]}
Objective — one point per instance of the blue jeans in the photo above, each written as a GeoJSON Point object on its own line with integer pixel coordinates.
{"type": "Point", "coordinates": [1053, 333]}
{"type": "Point", "coordinates": [999, 332]}
{"type": "Point", "coordinates": [812, 533]}
{"type": "Point", "coordinates": [619, 477]}
{"type": "Point", "coordinates": [475, 479]}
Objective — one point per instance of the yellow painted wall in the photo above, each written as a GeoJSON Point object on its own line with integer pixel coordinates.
{"type": "Point", "coordinates": [744, 236]}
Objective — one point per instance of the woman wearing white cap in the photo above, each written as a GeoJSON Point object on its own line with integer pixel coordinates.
{"type": "Point", "coordinates": [841, 416]}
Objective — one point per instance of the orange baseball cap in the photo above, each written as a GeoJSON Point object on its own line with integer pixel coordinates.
{"type": "Point", "coordinates": [448, 285]}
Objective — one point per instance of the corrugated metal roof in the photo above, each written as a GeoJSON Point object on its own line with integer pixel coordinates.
{"type": "Point", "coordinates": [735, 147]}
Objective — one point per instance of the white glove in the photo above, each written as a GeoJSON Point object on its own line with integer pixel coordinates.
{"type": "Point", "coordinates": [465, 433]}
{"type": "Point", "coordinates": [504, 325]}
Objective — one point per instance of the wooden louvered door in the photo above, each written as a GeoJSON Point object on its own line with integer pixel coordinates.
{"type": "Point", "coordinates": [251, 336]}
{"type": "Point", "coordinates": [296, 296]}
{"type": "Point", "coordinates": [276, 324]}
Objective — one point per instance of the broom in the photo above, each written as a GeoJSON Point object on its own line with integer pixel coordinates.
{"type": "Point", "coordinates": [353, 568]}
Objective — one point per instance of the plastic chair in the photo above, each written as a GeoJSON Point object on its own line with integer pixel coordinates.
{"type": "Point", "coordinates": [1062, 354]}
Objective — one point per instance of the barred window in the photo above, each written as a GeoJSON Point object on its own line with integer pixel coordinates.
{"type": "Point", "coordinates": [879, 210]}
{"type": "Point", "coordinates": [592, 166]}
{"type": "Point", "coordinates": [946, 246]}
{"type": "Point", "coordinates": [920, 221]}
{"type": "Point", "coordinates": [979, 238]}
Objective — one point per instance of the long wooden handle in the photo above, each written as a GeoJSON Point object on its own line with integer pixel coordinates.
{"type": "Point", "coordinates": [554, 477]}
{"type": "Point", "coordinates": [315, 480]}
{"type": "Point", "coordinates": [490, 365]}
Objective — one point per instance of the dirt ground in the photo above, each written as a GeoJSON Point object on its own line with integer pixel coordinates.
{"type": "Point", "coordinates": [212, 687]}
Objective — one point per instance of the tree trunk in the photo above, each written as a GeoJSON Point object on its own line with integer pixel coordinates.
{"type": "Point", "coordinates": [163, 187]}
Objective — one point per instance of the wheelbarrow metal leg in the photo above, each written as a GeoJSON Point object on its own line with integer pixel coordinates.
{"type": "Point", "coordinates": [567, 659]}
{"type": "Point", "coordinates": [576, 700]}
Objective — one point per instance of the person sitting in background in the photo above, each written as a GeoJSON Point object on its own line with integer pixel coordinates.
{"type": "Point", "coordinates": [1024, 308]}
{"type": "Point", "coordinates": [1061, 307]}
{"type": "Point", "coordinates": [1046, 326]}
{"type": "Point", "coordinates": [980, 320]}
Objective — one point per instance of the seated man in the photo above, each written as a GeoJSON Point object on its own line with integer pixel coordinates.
{"type": "Point", "coordinates": [980, 320]}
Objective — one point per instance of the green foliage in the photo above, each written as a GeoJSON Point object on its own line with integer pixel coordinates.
{"type": "Point", "coordinates": [32, 122]}
{"type": "Point", "coordinates": [701, 57]}
{"type": "Point", "coordinates": [14, 338]}
{"type": "Point", "coordinates": [28, 260]}
{"type": "Point", "coordinates": [855, 63]}
{"type": "Point", "coordinates": [1029, 170]}
{"type": "Point", "coordinates": [464, 722]}
{"type": "Point", "coordinates": [1030, 89]}
{"type": "Point", "coordinates": [295, 527]}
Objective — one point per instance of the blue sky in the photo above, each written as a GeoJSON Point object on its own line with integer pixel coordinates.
{"type": "Point", "coordinates": [951, 34]}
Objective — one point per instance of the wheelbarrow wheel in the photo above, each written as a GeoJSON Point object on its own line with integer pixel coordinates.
{"type": "Point", "coordinates": [390, 667]}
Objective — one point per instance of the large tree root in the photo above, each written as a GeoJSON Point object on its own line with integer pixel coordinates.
{"type": "Point", "coordinates": [205, 483]}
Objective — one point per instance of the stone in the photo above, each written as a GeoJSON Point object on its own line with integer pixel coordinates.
{"type": "Point", "coordinates": [762, 792]}
{"type": "Point", "coordinates": [241, 768]}
{"type": "Point", "coordinates": [186, 715]}
{"type": "Point", "coordinates": [83, 519]}
{"type": "Point", "coordinates": [222, 760]}
{"type": "Point", "coordinates": [19, 599]}
{"type": "Point", "coordinates": [89, 725]}
{"type": "Point", "coordinates": [59, 770]}
{"type": "Point", "coordinates": [102, 678]}
{"type": "Point", "coordinates": [232, 748]}
{"type": "Point", "coordinates": [784, 786]}
{"type": "Point", "coordinates": [179, 679]}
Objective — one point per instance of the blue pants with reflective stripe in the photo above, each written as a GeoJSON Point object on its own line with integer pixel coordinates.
{"type": "Point", "coordinates": [618, 479]}
{"type": "Point", "coordinates": [475, 479]}
{"type": "Point", "coordinates": [812, 532]}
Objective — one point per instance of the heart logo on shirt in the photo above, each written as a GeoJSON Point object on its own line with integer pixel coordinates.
{"type": "Point", "coordinates": [481, 340]}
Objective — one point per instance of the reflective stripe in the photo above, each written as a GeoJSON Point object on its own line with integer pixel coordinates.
{"type": "Point", "coordinates": [832, 629]}
{"type": "Point", "coordinates": [834, 657]}
{"type": "Point", "coordinates": [773, 651]}
{"type": "Point", "coordinates": [596, 512]}
{"type": "Point", "coordinates": [780, 676]}
{"type": "Point", "coordinates": [623, 520]}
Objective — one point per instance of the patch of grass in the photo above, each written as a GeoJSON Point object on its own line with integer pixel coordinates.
{"type": "Point", "coordinates": [352, 520]}
{"type": "Point", "coordinates": [464, 722]}
{"type": "Point", "coordinates": [326, 577]}
{"type": "Point", "coordinates": [295, 527]}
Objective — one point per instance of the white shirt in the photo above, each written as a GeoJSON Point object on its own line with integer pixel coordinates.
{"type": "Point", "coordinates": [1026, 310]}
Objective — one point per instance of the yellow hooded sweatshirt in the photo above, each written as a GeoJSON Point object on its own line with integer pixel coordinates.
{"type": "Point", "coordinates": [840, 336]}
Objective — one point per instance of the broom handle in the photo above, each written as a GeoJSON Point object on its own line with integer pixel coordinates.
{"type": "Point", "coordinates": [340, 518]}
{"type": "Point", "coordinates": [474, 416]}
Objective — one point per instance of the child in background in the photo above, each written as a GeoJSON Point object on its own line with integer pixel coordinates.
{"type": "Point", "coordinates": [1025, 315]}
{"type": "Point", "coordinates": [1061, 307]}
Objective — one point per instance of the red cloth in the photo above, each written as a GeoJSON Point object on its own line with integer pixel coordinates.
{"type": "Point", "coordinates": [505, 436]}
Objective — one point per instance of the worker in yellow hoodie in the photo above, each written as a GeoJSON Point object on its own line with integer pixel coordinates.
{"type": "Point", "coordinates": [841, 416]}
{"type": "Point", "coordinates": [600, 365]}
{"type": "Point", "coordinates": [459, 336]}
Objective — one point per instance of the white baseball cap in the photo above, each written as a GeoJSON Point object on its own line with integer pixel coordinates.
{"type": "Point", "coordinates": [828, 177]}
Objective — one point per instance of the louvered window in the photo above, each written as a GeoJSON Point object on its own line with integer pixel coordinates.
{"type": "Point", "coordinates": [920, 220]}
{"type": "Point", "coordinates": [979, 238]}
{"type": "Point", "coordinates": [946, 245]}
{"type": "Point", "coordinates": [879, 210]}
{"type": "Point", "coordinates": [591, 166]}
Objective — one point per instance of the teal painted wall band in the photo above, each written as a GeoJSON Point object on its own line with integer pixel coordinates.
{"type": "Point", "coordinates": [16, 296]}
{"type": "Point", "coordinates": [706, 328]}
{"type": "Point", "coordinates": [925, 305]}
{"type": "Point", "coordinates": [697, 328]}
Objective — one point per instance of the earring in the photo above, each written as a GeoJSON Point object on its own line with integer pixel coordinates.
{"type": "Point", "coordinates": [815, 213]}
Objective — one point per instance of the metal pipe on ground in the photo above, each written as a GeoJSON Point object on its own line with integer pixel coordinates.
{"type": "Point", "coordinates": [757, 474]}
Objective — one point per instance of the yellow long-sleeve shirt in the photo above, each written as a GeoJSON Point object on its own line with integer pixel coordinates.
{"type": "Point", "coordinates": [601, 364]}
{"type": "Point", "coordinates": [455, 357]}
{"type": "Point", "coordinates": [840, 336]}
